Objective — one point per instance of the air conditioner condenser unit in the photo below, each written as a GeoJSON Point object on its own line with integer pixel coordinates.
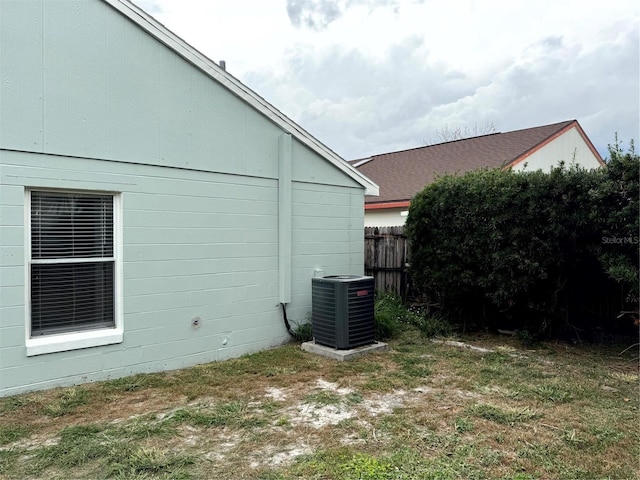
{"type": "Point", "coordinates": [342, 314]}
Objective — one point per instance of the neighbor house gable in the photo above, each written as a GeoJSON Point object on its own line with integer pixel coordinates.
{"type": "Point", "coordinates": [570, 144]}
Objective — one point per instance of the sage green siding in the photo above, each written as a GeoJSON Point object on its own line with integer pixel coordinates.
{"type": "Point", "coordinates": [91, 101]}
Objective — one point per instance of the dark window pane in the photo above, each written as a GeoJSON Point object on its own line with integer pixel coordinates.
{"type": "Point", "coordinates": [71, 297]}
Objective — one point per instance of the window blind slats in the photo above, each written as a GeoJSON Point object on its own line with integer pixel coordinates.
{"type": "Point", "coordinates": [65, 225]}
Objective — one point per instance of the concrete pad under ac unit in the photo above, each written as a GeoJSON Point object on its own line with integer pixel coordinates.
{"type": "Point", "coordinates": [343, 355]}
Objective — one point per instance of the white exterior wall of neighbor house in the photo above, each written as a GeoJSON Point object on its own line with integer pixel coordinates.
{"type": "Point", "coordinates": [91, 102]}
{"type": "Point", "coordinates": [385, 217]}
{"type": "Point", "coordinates": [569, 147]}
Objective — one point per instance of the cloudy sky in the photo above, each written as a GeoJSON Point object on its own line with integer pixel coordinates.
{"type": "Point", "coordinates": [374, 76]}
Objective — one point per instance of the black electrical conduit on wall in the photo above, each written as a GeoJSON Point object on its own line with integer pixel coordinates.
{"type": "Point", "coordinates": [286, 322]}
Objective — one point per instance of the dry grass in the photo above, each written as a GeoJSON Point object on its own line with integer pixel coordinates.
{"type": "Point", "coordinates": [421, 410]}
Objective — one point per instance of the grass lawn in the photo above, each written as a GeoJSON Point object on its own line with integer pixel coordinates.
{"type": "Point", "coordinates": [422, 410]}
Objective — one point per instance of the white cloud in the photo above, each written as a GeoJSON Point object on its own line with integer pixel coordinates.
{"type": "Point", "coordinates": [370, 76]}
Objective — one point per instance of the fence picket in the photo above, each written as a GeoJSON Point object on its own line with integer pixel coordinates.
{"type": "Point", "coordinates": [386, 251]}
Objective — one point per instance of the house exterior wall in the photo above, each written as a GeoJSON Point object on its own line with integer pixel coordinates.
{"type": "Point", "coordinates": [569, 147]}
{"type": "Point", "coordinates": [81, 79]}
{"type": "Point", "coordinates": [196, 171]}
{"type": "Point", "coordinates": [195, 244]}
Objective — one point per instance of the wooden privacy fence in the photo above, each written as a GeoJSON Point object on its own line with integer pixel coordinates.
{"type": "Point", "coordinates": [385, 258]}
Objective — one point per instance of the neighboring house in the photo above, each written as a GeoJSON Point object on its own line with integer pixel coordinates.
{"type": "Point", "coordinates": [402, 174]}
{"type": "Point", "coordinates": [155, 213]}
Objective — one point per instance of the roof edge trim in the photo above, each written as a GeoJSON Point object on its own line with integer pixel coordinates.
{"type": "Point", "coordinates": [383, 205]}
{"type": "Point", "coordinates": [590, 145]}
{"type": "Point", "coordinates": [357, 163]}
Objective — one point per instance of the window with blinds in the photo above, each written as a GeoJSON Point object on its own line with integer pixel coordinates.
{"type": "Point", "coordinates": [72, 264]}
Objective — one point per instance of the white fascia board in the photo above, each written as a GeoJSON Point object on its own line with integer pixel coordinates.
{"type": "Point", "coordinates": [209, 67]}
{"type": "Point", "coordinates": [361, 162]}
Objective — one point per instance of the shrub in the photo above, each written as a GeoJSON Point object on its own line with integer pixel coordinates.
{"type": "Point", "coordinates": [389, 312]}
{"type": "Point", "coordinates": [531, 250]}
{"type": "Point", "coordinates": [303, 332]}
{"type": "Point", "coordinates": [434, 325]}
{"type": "Point", "coordinates": [619, 210]}
{"type": "Point", "coordinates": [391, 315]}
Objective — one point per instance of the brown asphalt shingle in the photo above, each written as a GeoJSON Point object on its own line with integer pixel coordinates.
{"type": "Point", "coordinates": [403, 174]}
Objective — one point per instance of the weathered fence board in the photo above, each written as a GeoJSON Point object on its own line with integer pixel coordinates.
{"type": "Point", "coordinates": [386, 255]}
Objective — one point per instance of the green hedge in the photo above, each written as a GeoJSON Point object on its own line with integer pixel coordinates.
{"type": "Point", "coordinates": [550, 253]}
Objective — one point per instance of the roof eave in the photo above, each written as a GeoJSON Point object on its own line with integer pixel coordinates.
{"type": "Point", "coordinates": [386, 205]}
{"type": "Point", "coordinates": [210, 68]}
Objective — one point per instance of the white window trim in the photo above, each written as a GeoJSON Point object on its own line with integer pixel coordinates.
{"type": "Point", "coordinates": [86, 339]}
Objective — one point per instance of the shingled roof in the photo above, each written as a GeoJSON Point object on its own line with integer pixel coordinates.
{"type": "Point", "coordinates": [402, 174]}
